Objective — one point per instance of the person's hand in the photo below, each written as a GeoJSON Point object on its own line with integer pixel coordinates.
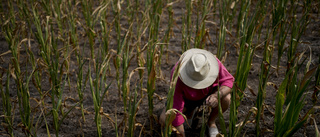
{"type": "Point", "coordinates": [212, 101]}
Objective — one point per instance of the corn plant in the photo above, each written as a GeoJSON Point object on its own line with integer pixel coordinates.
{"type": "Point", "coordinates": [170, 25]}
{"type": "Point", "coordinates": [187, 27]}
{"type": "Point", "coordinates": [90, 22]}
{"type": "Point", "coordinates": [125, 66]}
{"type": "Point", "coordinates": [132, 113]}
{"type": "Point", "coordinates": [297, 28]}
{"type": "Point", "coordinates": [62, 33]}
{"type": "Point", "coordinates": [72, 27]}
{"type": "Point", "coordinates": [278, 24]}
{"type": "Point", "coordinates": [245, 57]}
{"type": "Point", "coordinates": [98, 88]}
{"type": "Point", "coordinates": [247, 32]}
{"type": "Point", "coordinates": [232, 7]}
{"type": "Point", "coordinates": [11, 34]}
{"type": "Point", "coordinates": [6, 104]}
{"type": "Point", "coordinates": [287, 121]}
{"type": "Point", "coordinates": [263, 8]}
{"type": "Point", "coordinates": [127, 51]}
{"type": "Point", "coordinates": [222, 32]}
{"type": "Point", "coordinates": [46, 6]}
{"type": "Point", "coordinates": [152, 49]}
{"type": "Point", "coordinates": [244, 7]}
{"type": "Point", "coordinates": [116, 8]}
{"type": "Point", "coordinates": [140, 30]}
{"type": "Point", "coordinates": [151, 66]}
{"type": "Point", "coordinates": [184, 45]}
{"type": "Point", "coordinates": [74, 42]}
{"type": "Point", "coordinates": [81, 85]}
{"type": "Point", "coordinates": [105, 29]}
{"type": "Point", "coordinates": [233, 130]}
{"type": "Point", "coordinates": [36, 80]}
{"type": "Point", "coordinates": [204, 6]}
{"type": "Point", "coordinates": [264, 67]}
{"type": "Point", "coordinates": [50, 56]}
{"type": "Point", "coordinates": [133, 104]}
{"type": "Point", "coordinates": [57, 9]}
{"type": "Point", "coordinates": [220, 114]}
{"type": "Point", "coordinates": [171, 116]}
{"type": "Point", "coordinates": [161, 46]}
{"type": "Point", "coordinates": [24, 11]}
{"type": "Point", "coordinates": [263, 79]}
{"type": "Point", "coordinates": [57, 85]}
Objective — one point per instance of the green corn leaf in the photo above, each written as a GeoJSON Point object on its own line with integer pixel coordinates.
{"type": "Point", "coordinates": [295, 128]}
{"type": "Point", "coordinates": [280, 98]}
{"type": "Point", "coordinates": [104, 93]}
{"type": "Point", "coordinates": [220, 116]}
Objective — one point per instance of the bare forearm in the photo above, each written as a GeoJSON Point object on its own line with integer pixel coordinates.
{"type": "Point", "coordinates": [223, 91]}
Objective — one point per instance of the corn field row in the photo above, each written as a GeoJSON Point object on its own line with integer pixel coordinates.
{"type": "Point", "coordinates": [80, 51]}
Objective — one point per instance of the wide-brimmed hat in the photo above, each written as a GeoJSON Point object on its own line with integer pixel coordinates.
{"type": "Point", "coordinates": [199, 68]}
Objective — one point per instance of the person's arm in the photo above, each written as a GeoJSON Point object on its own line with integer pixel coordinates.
{"type": "Point", "coordinates": [223, 91]}
{"type": "Point", "coordinates": [225, 82]}
{"type": "Point", "coordinates": [212, 100]}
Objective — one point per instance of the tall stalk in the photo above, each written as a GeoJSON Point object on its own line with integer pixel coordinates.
{"type": "Point", "coordinates": [287, 117]}
{"type": "Point", "coordinates": [247, 32]}
{"type": "Point", "coordinates": [223, 28]}
{"type": "Point", "coordinates": [154, 16]}
{"type": "Point", "coordinates": [204, 6]}
{"type": "Point", "coordinates": [105, 29]}
{"type": "Point", "coordinates": [81, 85]}
{"type": "Point", "coordinates": [125, 67]}
{"type": "Point", "coordinates": [74, 42]}
{"type": "Point", "coordinates": [188, 26]}
{"type": "Point", "coordinates": [12, 36]}
{"type": "Point", "coordinates": [90, 22]}
{"type": "Point", "coordinates": [297, 29]}
{"type": "Point", "coordinates": [6, 104]}
{"type": "Point", "coordinates": [244, 7]}
{"type": "Point", "coordinates": [170, 116]}
{"type": "Point", "coordinates": [127, 51]}
{"type": "Point", "coordinates": [278, 24]}
{"type": "Point", "coordinates": [48, 43]}
{"type": "Point", "coordinates": [140, 30]}
{"type": "Point", "coordinates": [263, 79]}
{"type": "Point", "coordinates": [98, 88]}
{"type": "Point", "coordinates": [116, 7]}
{"type": "Point", "coordinates": [57, 9]}
{"type": "Point", "coordinates": [133, 105]}
{"type": "Point", "coordinates": [170, 25]}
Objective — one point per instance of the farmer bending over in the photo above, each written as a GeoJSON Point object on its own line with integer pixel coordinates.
{"type": "Point", "coordinates": [200, 75]}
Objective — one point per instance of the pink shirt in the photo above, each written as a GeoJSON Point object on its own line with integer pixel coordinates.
{"type": "Point", "coordinates": [183, 92]}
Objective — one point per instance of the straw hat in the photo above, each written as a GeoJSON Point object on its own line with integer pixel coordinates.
{"type": "Point", "coordinates": [199, 68]}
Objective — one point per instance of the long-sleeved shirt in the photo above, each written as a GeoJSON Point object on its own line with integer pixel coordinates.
{"type": "Point", "coordinates": [183, 91]}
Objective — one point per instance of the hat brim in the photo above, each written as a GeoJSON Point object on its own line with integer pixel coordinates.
{"type": "Point", "coordinates": [212, 75]}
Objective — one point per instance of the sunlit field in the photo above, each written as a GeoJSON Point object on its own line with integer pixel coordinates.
{"type": "Point", "coordinates": [102, 67]}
